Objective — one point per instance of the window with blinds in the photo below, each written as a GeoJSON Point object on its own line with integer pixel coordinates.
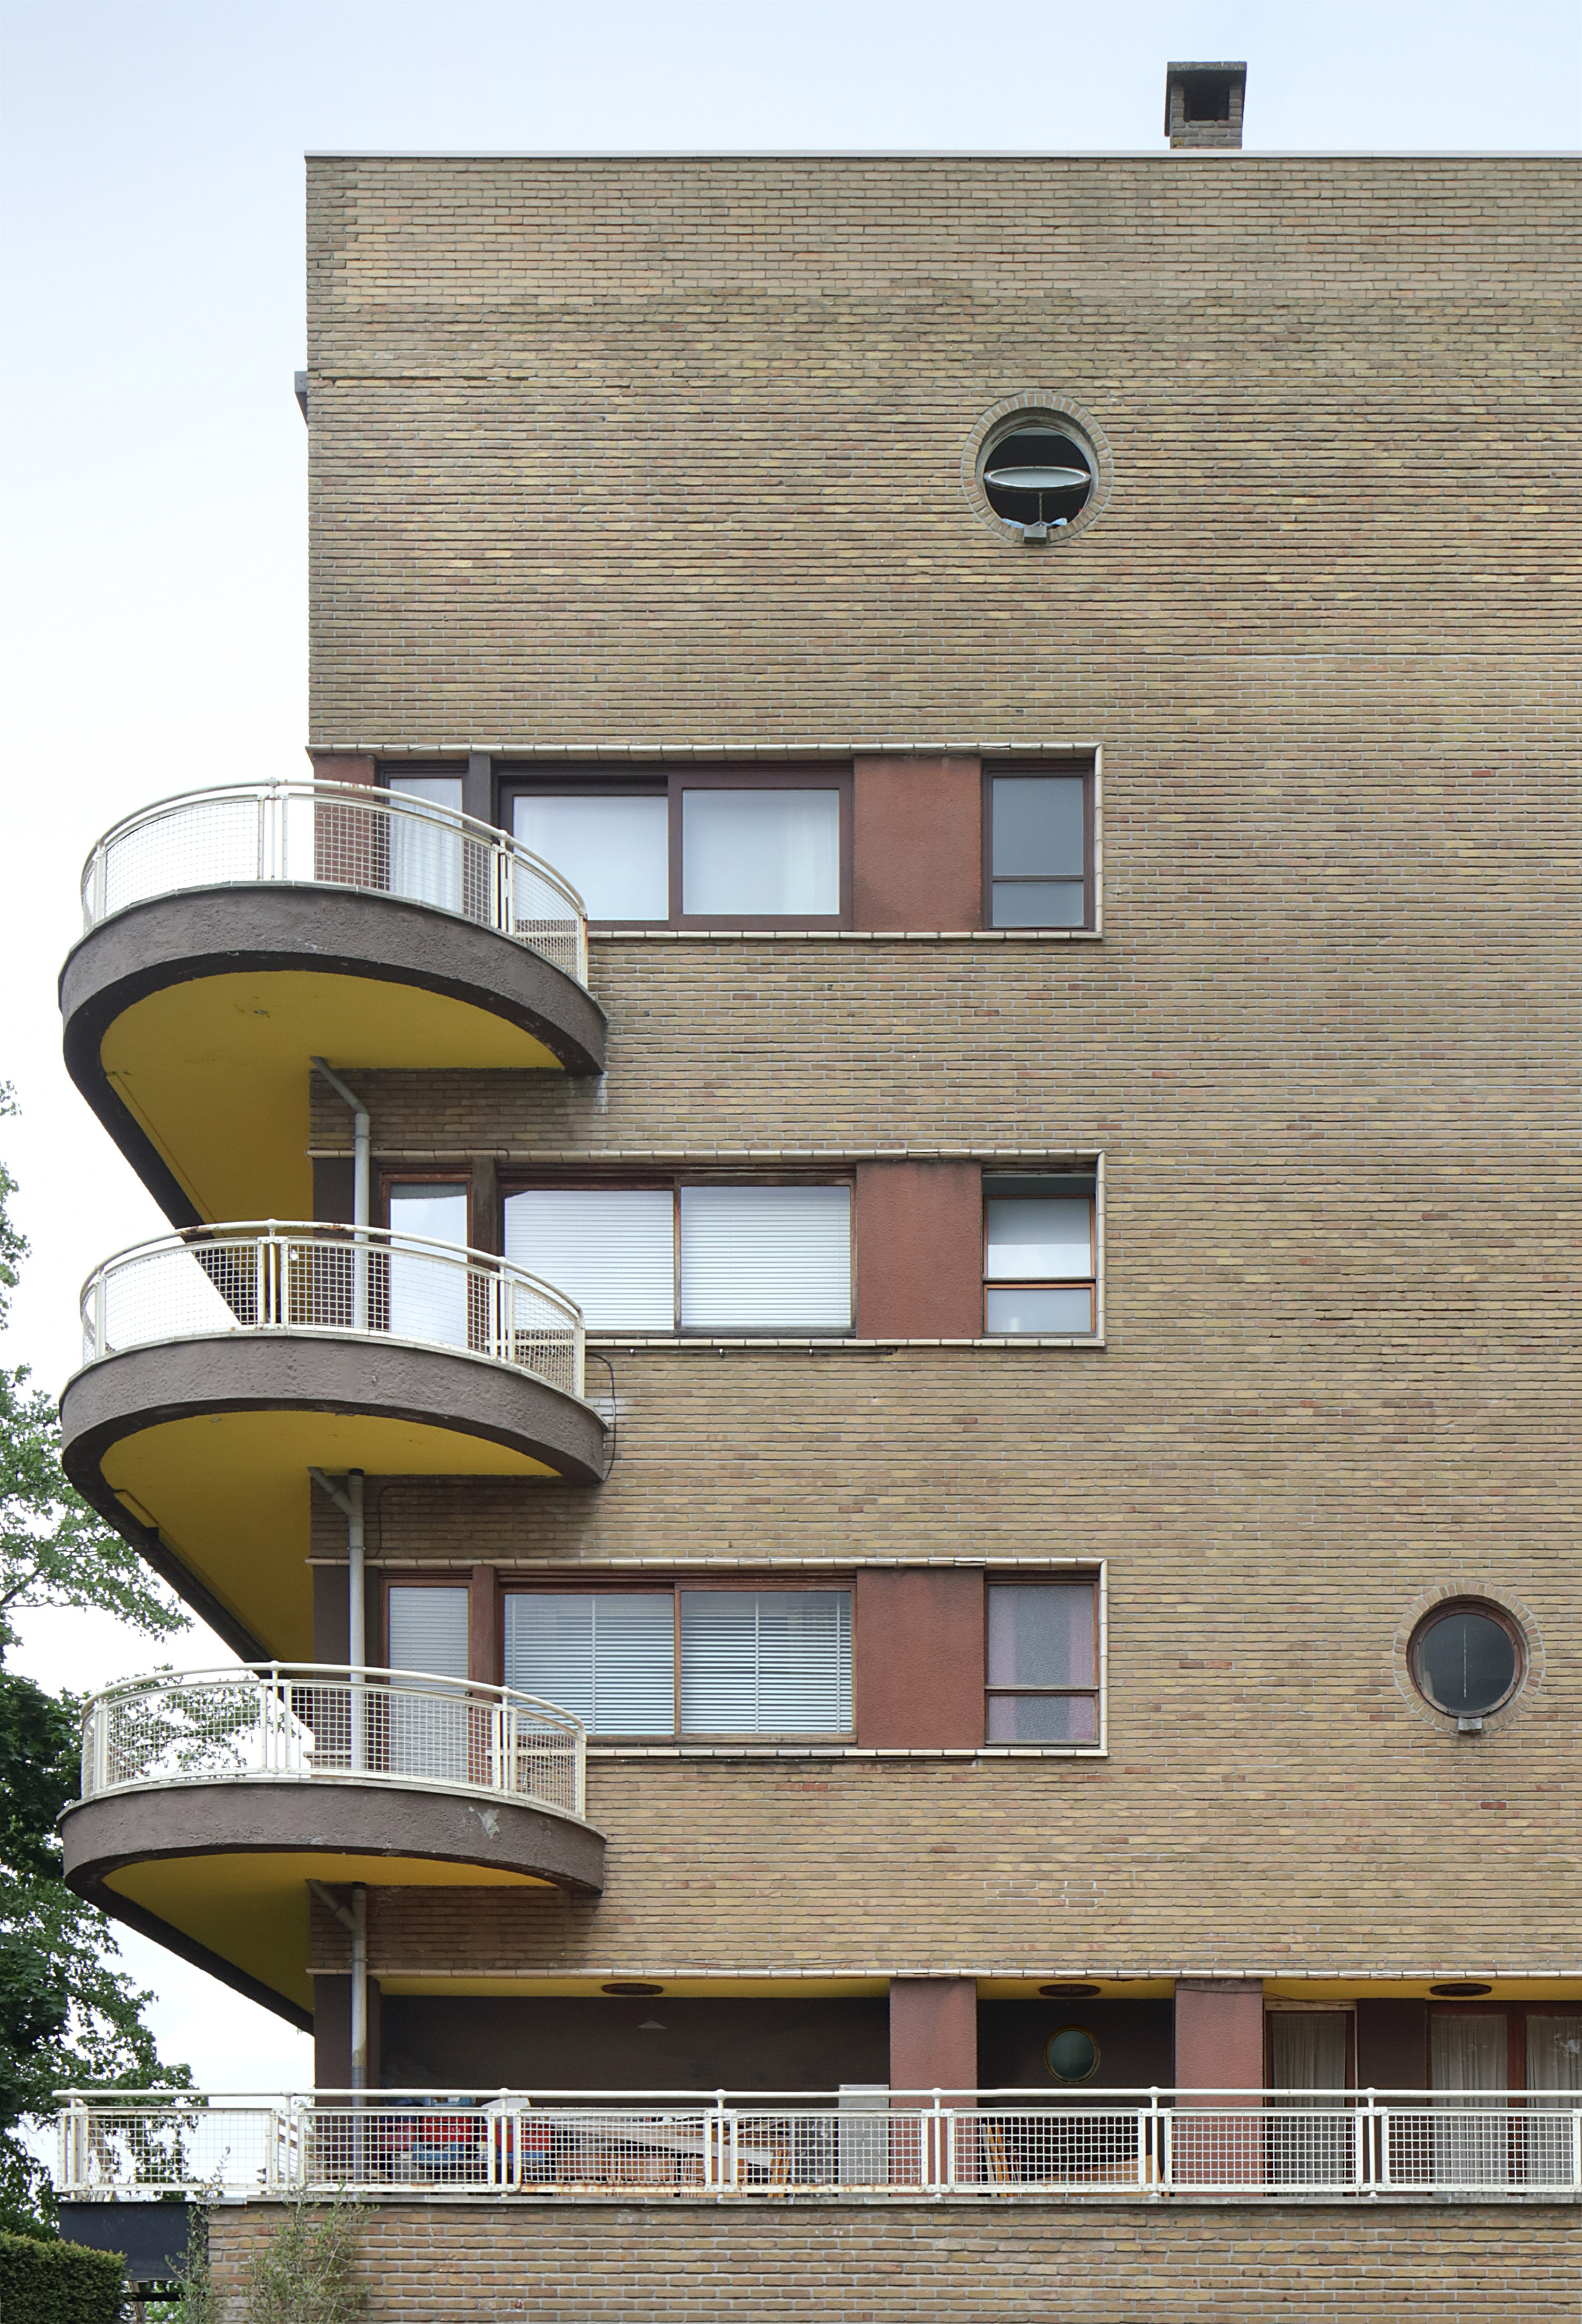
{"type": "Point", "coordinates": [766, 1662]}
{"type": "Point", "coordinates": [766, 1258]}
{"type": "Point", "coordinates": [429, 1628]}
{"type": "Point", "coordinates": [1039, 1256]}
{"type": "Point", "coordinates": [607, 1658]}
{"type": "Point", "coordinates": [611, 1249]}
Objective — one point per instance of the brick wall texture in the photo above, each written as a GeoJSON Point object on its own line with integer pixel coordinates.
{"type": "Point", "coordinates": [1099, 2263]}
{"type": "Point", "coordinates": [627, 455]}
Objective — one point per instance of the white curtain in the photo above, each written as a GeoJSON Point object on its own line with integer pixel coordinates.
{"type": "Point", "coordinates": [1309, 2053]}
{"type": "Point", "coordinates": [1554, 2057]}
{"type": "Point", "coordinates": [429, 1726]}
{"type": "Point", "coordinates": [1309, 2049]}
{"type": "Point", "coordinates": [1468, 2057]}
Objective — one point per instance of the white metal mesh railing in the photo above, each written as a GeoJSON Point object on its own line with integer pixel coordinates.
{"type": "Point", "coordinates": [263, 1277]}
{"type": "Point", "coordinates": [307, 1720]}
{"type": "Point", "coordinates": [1153, 2144]}
{"type": "Point", "coordinates": [338, 835]}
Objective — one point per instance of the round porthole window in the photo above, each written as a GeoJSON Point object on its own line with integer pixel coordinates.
{"type": "Point", "coordinates": [1467, 1657]}
{"type": "Point", "coordinates": [1072, 2054]}
{"type": "Point", "coordinates": [1038, 472]}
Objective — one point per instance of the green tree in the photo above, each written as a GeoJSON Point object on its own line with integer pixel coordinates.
{"type": "Point", "coordinates": [67, 2013]}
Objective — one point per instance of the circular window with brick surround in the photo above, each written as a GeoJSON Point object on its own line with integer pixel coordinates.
{"type": "Point", "coordinates": [1467, 1657]}
{"type": "Point", "coordinates": [1037, 469]}
{"type": "Point", "coordinates": [1072, 2054]}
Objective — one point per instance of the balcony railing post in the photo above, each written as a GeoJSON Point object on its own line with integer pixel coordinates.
{"type": "Point", "coordinates": [100, 1295]}
{"type": "Point", "coordinates": [1367, 2147]}
{"type": "Point", "coordinates": [714, 2159]}
{"type": "Point", "coordinates": [1577, 2151]}
{"type": "Point", "coordinates": [1166, 2121]}
{"type": "Point", "coordinates": [1382, 2120]}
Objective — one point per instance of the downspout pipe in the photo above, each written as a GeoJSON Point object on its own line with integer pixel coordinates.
{"type": "Point", "coordinates": [350, 1504]}
{"type": "Point", "coordinates": [360, 1174]}
{"type": "Point", "coordinates": [353, 1917]}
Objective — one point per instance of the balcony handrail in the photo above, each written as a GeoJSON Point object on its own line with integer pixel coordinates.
{"type": "Point", "coordinates": [1152, 2145]}
{"type": "Point", "coordinates": [313, 1722]}
{"type": "Point", "coordinates": [327, 835]}
{"type": "Point", "coordinates": [311, 1276]}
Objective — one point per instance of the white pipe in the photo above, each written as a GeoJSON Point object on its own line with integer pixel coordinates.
{"type": "Point", "coordinates": [358, 1618]}
{"type": "Point", "coordinates": [359, 1987]}
{"type": "Point", "coordinates": [360, 1172]}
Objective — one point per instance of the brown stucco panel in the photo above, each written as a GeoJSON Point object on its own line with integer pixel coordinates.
{"type": "Point", "coordinates": [919, 1259]}
{"type": "Point", "coordinates": [916, 843]}
{"type": "Point", "coordinates": [933, 2033]}
{"type": "Point", "coordinates": [919, 1659]}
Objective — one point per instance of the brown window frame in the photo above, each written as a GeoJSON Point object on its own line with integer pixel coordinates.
{"type": "Point", "coordinates": [1515, 2014]}
{"type": "Point", "coordinates": [1002, 772]}
{"type": "Point", "coordinates": [1012, 1579]}
{"type": "Point", "coordinates": [1088, 1282]}
{"type": "Point", "coordinates": [641, 1585]}
{"type": "Point", "coordinates": [672, 783]}
{"type": "Point", "coordinates": [652, 1183]}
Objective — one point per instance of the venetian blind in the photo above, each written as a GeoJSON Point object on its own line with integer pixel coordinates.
{"type": "Point", "coordinates": [766, 1258]}
{"type": "Point", "coordinates": [613, 1249]}
{"type": "Point", "coordinates": [608, 1657]}
{"type": "Point", "coordinates": [429, 1629]}
{"type": "Point", "coordinates": [766, 1662]}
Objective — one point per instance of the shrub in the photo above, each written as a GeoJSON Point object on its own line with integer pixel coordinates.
{"type": "Point", "coordinates": [47, 2282]}
{"type": "Point", "coordinates": [304, 2274]}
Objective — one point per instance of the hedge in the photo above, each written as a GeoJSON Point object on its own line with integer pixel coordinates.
{"type": "Point", "coordinates": [57, 2282]}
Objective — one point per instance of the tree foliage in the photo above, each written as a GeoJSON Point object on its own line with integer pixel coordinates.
{"type": "Point", "coordinates": [67, 2013]}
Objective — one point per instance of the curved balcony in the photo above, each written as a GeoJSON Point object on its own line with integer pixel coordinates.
{"type": "Point", "coordinates": [233, 935]}
{"type": "Point", "coordinates": [221, 1366]}
{"type": "Point", "coordinates": [211, 1798]}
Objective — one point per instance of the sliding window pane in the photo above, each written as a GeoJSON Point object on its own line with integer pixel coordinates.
{"type": "Point", "coordinates": [1038, 1237]}
{"type": "Point", "coordinates": [1038, 850]}
{"type": "Point", "coordinates": [1040, 904]}
{"type": "Point", "coordinates": [608, 1659]}
{"type": "Point", "coordinates": [1031, 1310]}
{"type": "Point", "coordinates": [614, 850]}
{"type": "Point", "coordinates": [1042, 1634]}
{"type": "Point", "coordinates": [774, 1661]}
{"type": "Point", "coordinates": [1043, 1719]}
{"type": "Point", "coordinates": [427, 1292]}
{"type": "Point", "coordinates": [429, 1629]}
{"type": "Point", "coordinates": [760, 853]}
{"type": "Point", "coordinates": [757, 1259]}
{"type": "Point", "coordinates": [613, 1249]}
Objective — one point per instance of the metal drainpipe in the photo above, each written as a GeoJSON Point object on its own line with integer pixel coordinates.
{"type": "Point", "coordinates": [350, 1503]}
{"type": "Point", "coordinates": [359, 1987]}
{"type": "Point", "coordinates": [361, 1151]}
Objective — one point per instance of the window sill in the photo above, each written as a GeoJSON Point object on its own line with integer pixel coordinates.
{"type": "Point", "coordinates": [815, 1750]}
{"type": "Point", "coordinates": [611, 932]}
{"type": "Point", "coordinates": [699, 1342]}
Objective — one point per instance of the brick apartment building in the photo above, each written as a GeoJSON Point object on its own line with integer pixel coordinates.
{"type": "Point", "coordinates": [1049, 1518]}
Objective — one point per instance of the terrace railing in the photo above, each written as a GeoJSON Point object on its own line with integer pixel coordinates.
{"type": "Point", "coordinates": [284, 1722]}
{"type": "Point", "coordinates": [338, 835]}
{"type": "Point", "coordinates": [1151, 2146]}
{"type": "Point", "coordinates": [265, 1277]}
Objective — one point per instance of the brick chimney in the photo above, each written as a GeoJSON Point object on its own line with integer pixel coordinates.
{"type": "Point", "coordinates": [1202, 106]}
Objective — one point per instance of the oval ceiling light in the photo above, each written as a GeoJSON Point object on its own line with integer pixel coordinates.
{"type": "Point", "coordinates": [1036, 480]}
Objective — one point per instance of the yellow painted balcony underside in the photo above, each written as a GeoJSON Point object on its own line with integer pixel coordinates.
{"type": "Point", "coordinates": [216, 1072]}
{"type": "Point", "coordinates": [251, 1910]}
{"type": "Point", "coordinates": [231, 1494]}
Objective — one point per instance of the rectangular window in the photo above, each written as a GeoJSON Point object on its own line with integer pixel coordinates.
{"type": "Point", "coordinates": [1043, 1663]}
{"type": "Point", "coordinates": [1040, 1256]}
{"type": "Point", "coordinates": [427, 1296]}
{"type": "Point", "coordinates": [766, 1662]}
{"type": "Point", "coordinates": [761, 854]}
{"type": "Point", "coordinates": [1038, 850]}
{"type": "Point", "coordinates": [766, 1258]}
{"type": "Point", "coordinates": [429, 1628]}
{"type": "Point", "coordinates": [426, 851]}
{"type": "Point", "coordinates": [707, 1259]}
{"type": "Point", "coordinates": [611, 1249]}
{"type": "Point", "coordinates": [608, 1657]}
{"type": "Point", "coordinates": [613, 846]}
{"type": "Point", "coordinates": [670, 849]}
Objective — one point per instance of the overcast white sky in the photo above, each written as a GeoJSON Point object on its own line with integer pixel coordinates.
{"type": "Point", "coordinates": [154, 457]}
